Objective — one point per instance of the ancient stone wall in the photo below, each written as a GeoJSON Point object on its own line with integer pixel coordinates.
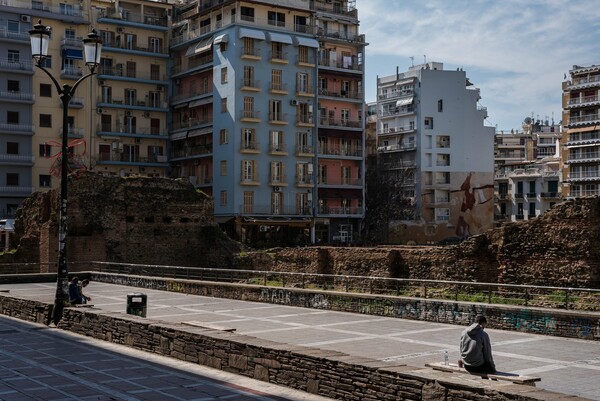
{"type": "Point", "coordinates": [133, 220]}
{"type": "Point", "coordinates": [327, 373]}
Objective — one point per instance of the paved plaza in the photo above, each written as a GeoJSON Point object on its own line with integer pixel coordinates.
{"type": "Point", "coordinates": [568, 366]}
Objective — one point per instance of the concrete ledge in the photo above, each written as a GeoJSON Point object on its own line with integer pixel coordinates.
{"type": "Point", "coordinates": [330, 374]}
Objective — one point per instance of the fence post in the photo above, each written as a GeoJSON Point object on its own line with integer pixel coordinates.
{"type": "Point", "coordinates": [489, 295]}
{"type": "Point", "coordinates": [265, 279]}
{"type": "Point", "coordinates": [370, 285]}
{"type": "Point", "coordinates": [425, 290]}
{"type": "Point", "coordinates": [526, 295]}
{"type": "Point", "coordinates": [456, 292]}
{"type": "Point", "coordinates": [282, 279]}
{"type": "Point", "coordinates": [303, 278]}
{"type": "Point", "coordinates": [347, 283]}
{"type": "Point", "coordinates": [567, 298]}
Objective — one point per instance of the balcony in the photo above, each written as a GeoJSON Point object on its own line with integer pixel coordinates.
{"type": "Point", "coordinates": [305, 90]}
{"type": "Point", "coordinates": [278, 88]}
{"type": "Point", "coordinates": [73, 132]}
{"type": "Point", "coordinates": [401, 129]}
{"type": "Point", "coordinates": [71, 73]}
{"type": "Point", "coordinates": [305, 151]}
{"type": "Point", "coordinates": [249, 116]}
{"type": "Point", "coordinates": [250, 53]}
{"type": "Point", "coordinates": [304, 121]}
{"type": "Point", "coordinates": [401, 147]}
{"type": "Point", "coordinates": [337, 8]}
{"type": "Point", "coordinates": [250, 180]}
{"type": "Point", "coordinates": [340, 182]}
{"type": "Point", "coordinates": [199, 181]}
{"type": "Point", "coordinates": [16, 191]}
{"type": "Point", "coordinates": [583, 138]}
{"type": "Point", "coordinates": [151, 20]}
{"type": "Point", "coordinates": [132, 132]}
{"type": "Point", "coordinates": [342, 63]}
{"type": "Point", "coordinates": [278, 180]}
{"type": "Point", "coordinates": [7, 35]}
{"type": "Point", "coordinates": [520, 195]}
{"type": "Point", "coordinates": [279, 57]}
{"type": "Point", "coordinates": [133, 104]}
{"type": "Point", "coordinates": [249, 147]}
{"type": "Point", "coordinates": [125, 158]}
{"type": "Point", "coordinates": [272, 210]}
{"type": "Point", "coordinates": [551, 195]}
{"type": "Point", "coordinates": [120, 72]}
{"type": "Point", "coordinates": [584, 101]}
{"type": "Point", "coordinates": [352, 211]}
{"type": "Point", "coordinates": [305, 61]}
{"type": "Point", "coordinates": [278, 118]}
{"type": "Point", "coordinates": [579, 121]}
{"type": "Point", "coordinates": [340, 123]}
{"type": "Point", "coordinates": [342, 94]}
{"type": "Point", "coordinates": [10, 128]}
{"type": "Point", "coordinates": [12, 65]}
{"type": "Point", "coordinates": [71, 42]}
{"type": "Point", "coordinates": [585, 82]}
{"type": "Point", "coordinates": [341, 35]}
{"type": "Point", "coordinates": [399, 165]}
{"type": "Point", "coordinates": [340, 151]}
{"type": "Point", "coordinates": [393, 94]}
{"type": "Point", "coordinates": [581, 176]}
{"type": "Point", "coordinates": [192, 151]}
{"type": "Point", "coordinates": [127, 47]}
{"type": "Point", "coordinates": [503, 196]}
{"type": "Point", "coordinates": [17, 97]}
{"type": "Point", "coordinates": [188, 95]}
{"type": "Point", "coordinates": [584, 192]}
{"type": "Point", "coordinates": [304, 180]}
{"type": "Point", "coordinates": [278, 149]}
{"type": "Point", "coordinates": [250, 85]}
{"type": "Point", "coordinates": [195, 122]}
{"type": "Point", "coordinates": [583, 157]}
{"type": "Point", "coordinates": [16, 159]}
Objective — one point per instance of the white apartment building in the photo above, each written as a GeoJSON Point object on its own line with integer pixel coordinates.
{"type": "Point", "coordinates": [432, 140]}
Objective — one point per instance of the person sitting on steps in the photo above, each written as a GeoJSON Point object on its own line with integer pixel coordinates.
{"type": "Point", "coordinates": [476, 349]}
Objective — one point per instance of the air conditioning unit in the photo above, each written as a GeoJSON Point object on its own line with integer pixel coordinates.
{"type": "Point", "coordinates": [128, 113]}
{"type": "Point", "coordinates": [263, 229]}
{"type": "Point", "coordinates": [119, 30]}
{"type": "Point", "coordinates": [294, 102]}
{"type": "Point", "coordinates": [146, 114]}
{"type": "Point", "coordinates": [114, 145]}
{"type": "Point", "coordinates": [99, 110]}
{"type": "Point", "coordinates": [276, 189]}
{"type": "Point", "coordinates": [160, 88]}
{"type": "Point", "coordinates": [25, 18]}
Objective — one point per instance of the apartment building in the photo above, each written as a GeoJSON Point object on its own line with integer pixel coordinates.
{"type": "Point", "coordinates": [17, 151]}
{"type": "Point", "coordinates": [437, 154]}
{"type": "Point", "coordinates": [129, 117]}
{"type": "Point", "coordinates": [581, 139]}
{"type": "Point", "coordinates": [244, 125]}
{"type": "Point", "coordinates": [528, 167]}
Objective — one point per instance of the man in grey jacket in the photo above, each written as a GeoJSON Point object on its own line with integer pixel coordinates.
{"type": "Point", "coordinates": [476, 349]}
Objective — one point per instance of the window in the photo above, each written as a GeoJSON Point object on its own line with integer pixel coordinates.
{"type": "Point", "coordinates": [224, 105]}
{"type": "Point", "coordinates": [277, 51]}
{"type": "Point", "coordinates": [224, 75]}
{"type": "Point", "coordinates": [45, 150]}
{"type": "Point", "coordinates": [346, 173]}
{"type": "Point", "coordinates": [130, 41]}
{"type": "Point", "coordinates": [223, 136]}
{"type": "Point", "coordinates": [45, 90]}
{"type": "Point", "coordinates": [130, 69]}
{"type": "Point", "coordinates": [248, 139]}
{"type": "Point", "coordinates": [300, 24]}
{"type": "Point", "coordinates": [428, 122]}
{"type": "Point", "coordinates": [248, 76]}
{"type": "Point", "coordinates": [276, 19]}
{"type": "Point", "coordinates": [442, 141]}
{"type": "Point", "coordinates": [37, 5]}
{"type": "Point", "coordinates": [46, 120]}
{"type": "Point", "coordinates": [303, 142]}
{"type": "Point", "coordinates": [248, 201]}
{"type": "Point", "coordinates": [12, 179]}
{"type": "Point", "coordinates": [66, 9]}
{"type": "Point", "coordinates": [155, 72]}
{"type": "Point", "coordinates": [47, 62]}
{"type": "Point", "coordinates": [223, 198]}
{"type": "Point", "coordinates": [13, 56]}
{"type": "Point", "coordinates": [303, 55]}
{"type": "Point", "coordinates": [12, 148]}
{"type": "Point", "coordinates": [442, 214]}
{"type": "Point", "coordinates": [345, 114]}
{"type": "Point", "coordinates": [531, 209]}
{"type": "Point", "coordinates": [247, 14]}
{"type": "Point", "coordinates": [248, 107]}
{"type": "Point", "coordinates": [440, 106]}
{"type": "Point", "coordinates": [277, 174]}
{"type": "Point", "coordinates": [275, 113]}
{"type": "Point", "coordinates": [322, 174]}
{"type": "Point", "coordinates": [70, 33]}
{"type": "Point", "coordinates": [302, 83]}
{"type": "Point", "coordinates": [12, 26]}
{"type": "Point", "coordinates": [249, 47]}
{"type": "Point", "coordinates": [276, 83]}
{"type": "Point", "coordinates": [13, 86]}
{"type": "Point", "coordinates": [130, 97]}
{"type": "Point", "coordinates": [277, 144]}
{"type": "Point", "coordinates": [45, 181]}
{"type": "Point", "coordinates": [155, 44]}
{"type": "Point", "coordinates": [276, 202]}
{"type": "Point", "coordinates": [12, 117]}
{"type": "Point", "coordinates": [249, 173]}
{"type": "Point", "coordinates": [223, 167]}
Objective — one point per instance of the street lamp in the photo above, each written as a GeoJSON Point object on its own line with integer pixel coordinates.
{"type": "Point", "coordinates": [40, 36]}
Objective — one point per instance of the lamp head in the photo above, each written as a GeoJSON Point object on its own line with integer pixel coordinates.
{"type": "Point", "coordinates": [40, 37]}
{"type": "Point", "coordinates": [92, 48]}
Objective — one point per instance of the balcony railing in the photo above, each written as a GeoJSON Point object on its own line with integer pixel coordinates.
{"type": "Point", "coordinates": [586, 80]}
{"type": "Point", "coordinates": [304, 119]}
{"type": "Point", "coordinates": [18, 65]}
{"type": "Point", "coordinates": [250, 146]}
{"type": "Point", "coordinates": [269, 210]}
{"type": "Point", "coordinates": [340, 122]}
{"type": "Point", "coordinates": [582, 100]}
{"type": "Point", "coordinates": [342, 63]}
{"type": "Point", "coordinates": [304, 149]}
{"type": "Point", "coordinates": [340, 151]}
{"type": "Point", "coordinates": [304, 179]}
{"type": "Point", "coordinates": [17, 128]}
{"type": "Point", "coordinates": [349, 36]}
{"type": "Point", "coordinates": [590, 174]}
{"type": "Point", "coordinates": [16, 190]}
{"type": "Point", "coordinates": [551, 195]}
{"type": "Point", "coordinates": [278, 87]}
{"type": "Point", "coordinates": [250, 114]}
{"type": "Point", "coordinates": [583, 119]}
{"type": "Point", "coordinates": [250, 52]}
{"type": "Point", "coordinates": [71, 72]}
{"type": "Point", "coordinates": [584, 156]}
{"type": "Point", "coordinates": [191, 94]}
{"type": "Point", "coordinates": [5, 158]}
{"type": "Point", "coordinates": [278, 118]}
{"type": "Point", "coordinates": [398, 130]}
{"type": "Point", "coordinates": [328, 7]}
{"type": "Point", "coordinates": [340, 210]}
{"type": "Point", "coordinates": [74, 132]}
{"type": "Point", "coordinates": [192, 122]}
{"type": "Point", "coordinates": [277, 179]}
{"type": "Point", "coordinates": [341, 94]}
{"type": "Point", "coordinates": [72, 42]}
{"type": "Point", "coordinates": [396, 94]}
{"type": "Point", "coordinates": [193, 151]}
{"type": "Point", "coordinates": [130, 46]}
{"type": "Point", "coordinates": [124, 72]}
{"type": "Point", "coordinates": [354, 182]}
{"type": "Point", "coordinates": [18, 96]}
{"type": "Point", "coordinates": [126, 15]}
{"type": "Point", "coordinates": [277, 148]}
{"type": "Point", "coordinates": [19, 36]}
{"type": "Point", "coordinates": [279, 55]}
{"type": "Point", "coordinates": [129, 158]}
{"type": "Point", "coordinates": [250, 84]}
{"type": "Point", "coordinates": [585, 192]}
{"type": "Point", "coordinates": [303, 90]}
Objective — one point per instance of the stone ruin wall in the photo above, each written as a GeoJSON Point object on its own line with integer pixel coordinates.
{"type": "Point", "coordinates": [162, 221]}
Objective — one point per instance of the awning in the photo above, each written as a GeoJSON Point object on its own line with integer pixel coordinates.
{"type": "Point", "coordinates": [201, 102]}
{"type": "Point", "coordinates": [181, 105]}
{"type": "Point", "coordinates": [404, 102]}
{"type": "Point", "coordinates": [278, 37]}
{"type": "Point", "coordinates": [221, 39]}
{"type": "Point", "coordinates": [178, 136]}
{"type": "Point", "coordinates": [198, 132]}
{"type": "Point", "coordinates": [308, 42]}
{"type": "Point", "coordinates": [200, 47]}
{"type": "Point", "coordinates": [251, 33]}
{"type": "Point", "coordinates": [74, 54]}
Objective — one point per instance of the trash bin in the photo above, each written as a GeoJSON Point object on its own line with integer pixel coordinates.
{"type": "Point", "coordinates": [137, 304]}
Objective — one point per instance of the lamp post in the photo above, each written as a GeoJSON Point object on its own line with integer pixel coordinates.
{"type": "Point", "coordinates": [40, 37]}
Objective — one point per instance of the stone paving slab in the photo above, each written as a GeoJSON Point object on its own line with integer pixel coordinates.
{"type": "Point", "coordinates": [568, 366]}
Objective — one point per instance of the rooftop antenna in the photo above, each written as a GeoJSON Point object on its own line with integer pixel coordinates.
{"type": "Point", "coordinates": [424, 59]}
{"type": "Point", "coordinates": [412, 61]}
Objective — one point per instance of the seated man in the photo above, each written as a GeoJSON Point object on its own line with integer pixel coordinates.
{"type": "Point", "coordinates": [74, 293]}
{"type": "Point", "coordinates": [476, 349]}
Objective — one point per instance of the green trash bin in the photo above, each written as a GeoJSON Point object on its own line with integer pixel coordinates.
{"type": "Point", "coordinates": [137, 304]}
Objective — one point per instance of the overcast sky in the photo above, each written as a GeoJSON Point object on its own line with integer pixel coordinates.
{"type": "Point", "coordinates": [515, 51]}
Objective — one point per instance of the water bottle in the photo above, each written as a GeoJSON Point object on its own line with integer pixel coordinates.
{"type": "Point", "coordinates": [446, 357]}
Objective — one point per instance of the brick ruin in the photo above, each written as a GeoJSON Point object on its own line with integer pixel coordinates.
{"type": "Point", "coordinates": [133, 220]}
{"type": "Point", "coordinates": [167, 222]}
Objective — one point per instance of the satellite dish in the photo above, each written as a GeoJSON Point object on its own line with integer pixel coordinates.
{"type": "Point", "coordinates": [527, 120]}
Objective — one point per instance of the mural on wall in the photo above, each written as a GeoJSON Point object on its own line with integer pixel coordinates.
{"type": "Point", "coordinates": [478, 201]}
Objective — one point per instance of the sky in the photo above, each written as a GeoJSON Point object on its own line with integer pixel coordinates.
{"type": "Point", "coordinates": [515, 51]}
